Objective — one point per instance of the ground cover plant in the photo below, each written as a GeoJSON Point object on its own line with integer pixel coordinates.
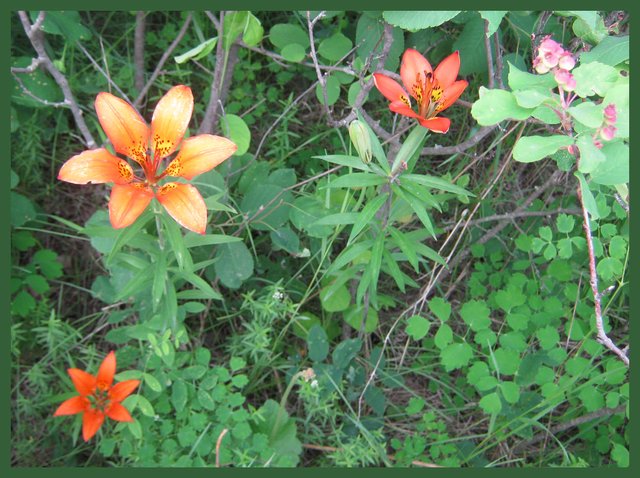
{"type": "Point", "coordinates": [320, 238]}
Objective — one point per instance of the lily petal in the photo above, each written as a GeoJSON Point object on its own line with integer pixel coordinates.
{"type": "Point", "coordinates": [91, 422]}
{"type": "Point", "coordinates": [170, 120]}
{"type": "Point", "coordinates": [447, 71]}
{"type": "Point", "coordinates": [453, 92]}
{"type": "Point", "coordinates": [106, 371]}
{"type": "Point", "coordinates": [402, 109]}
{"type": "Point", "coordinates": [199, 154]}
{"type": "Point", "coordinates": [127, 202]}
{"type": "Point", "coordinates": [414, 67]}
{"type": "Point", "coordinates": [122, 390]}
{"type": "Point", "coordinates": [184, 203]}
{"type": "Point", "coordinates": [390, 88]}
{"type": "Point", "coordinates": [124, 126]}
{"type": "Point", "coordinates": [437, 124]}
{"type": "Point", "coordinates": [83, 381]}
{"type": "Point", "coordinates": [118, 412]}
{"type": "Point", "coordinates": [72, 406]}
{"type": "Point", "coordinates": [96, 166]}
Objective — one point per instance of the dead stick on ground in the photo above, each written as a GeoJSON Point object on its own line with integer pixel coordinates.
{"type": "Point", "coordinates": [597, 295]}
{"type": "Point", "coordinates": [218, 443]}
{"type": "Point", "coordinates": [36, 37]}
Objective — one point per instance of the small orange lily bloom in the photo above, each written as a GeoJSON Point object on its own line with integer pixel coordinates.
{"type": "Point", "coordinates": [149, 146]}
{"type": "Point", "coordinates": [97, 397]}
{"type": "Point", "coordinates": [434, 91]}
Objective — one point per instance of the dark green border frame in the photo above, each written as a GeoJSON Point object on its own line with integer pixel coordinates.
{"type": "Point", "coordinates": [13, 5]}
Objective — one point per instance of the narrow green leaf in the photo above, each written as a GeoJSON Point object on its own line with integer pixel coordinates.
{"type": "Point", "coordinates": [176, 242]}
{"type": "Point", "coordinates": [344, 160]}
{"type": "Point", "coordinates": [437, 183]}
{"type": "Point", "coordinates": [417, 208]}
{"type": "Point", "coordinates": [587, 197]}
{"type": "Point", "coordinates": [126, 235]}
{"type": "Point", "coordinates": [393, 269]}
{"type": "Point", "coordinates": [200, 284]}
{"type": "Point", "coordinates": [196, 240]}
{"type": "Point", "coordinates": [357, 180]}
{"type": "Point", "coordinates": [405, 246]}
{"type": "Point", "coordinates": [367, 214]}
{"type": "Point", "coordinates": [348, 255]}
{"type": "Point", "coordinates": [411, 144]}
{"type": "Point", "coordinates": [159, 280]}
{"type": "Point", "coordinates": [376, 147]}
{"type": "Point", "coordinates": [374, 267]}
{"type": "Point", "coordinates": [337, 219]}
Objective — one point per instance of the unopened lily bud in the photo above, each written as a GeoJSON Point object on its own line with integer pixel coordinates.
{"type": "Point", "coordinates": [566, 61]}
{"type": "Point", "coordinates": [610, 114]}
{"type": "Point", "coordinates": [597, 143]}
{"type": "Point", "coordinates": [361, 140]}
{"type": "Point", "coordinates": [608, 132]}
{"type": "Point", "coordinates": [565, 80]}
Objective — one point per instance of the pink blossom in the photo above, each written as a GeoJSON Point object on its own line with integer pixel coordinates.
{"type": "Point", "coordinates": [566, 61]}
{"type": "Point", "coordinates": [550, 46]}
{"type": "Point", "coordinates": [565, 79]}
{"type": "Point", "coordinates": [597, 143]}
{"type": "Point", "coordinates": [539, 66]}
{"type": "Point", "coordinates": [610, 114]}
{"type": "Point", "coordinates": [608, 132]}
{"type": "Point", "coordinates": [549, 52]}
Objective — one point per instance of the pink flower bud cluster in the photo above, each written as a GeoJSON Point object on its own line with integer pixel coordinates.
{"type": "Point", "coordinates": [608, 130]}
{"type": "Point", "coordinates": [552, 57]}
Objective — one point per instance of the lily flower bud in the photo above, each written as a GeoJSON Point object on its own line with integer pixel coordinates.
{"type": "Point", "coordinates": [361, 140]}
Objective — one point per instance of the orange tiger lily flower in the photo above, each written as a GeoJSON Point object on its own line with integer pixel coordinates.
{"type": "Point", "coordinates": [98, 397]}
{"type": "Point", "coordinates": [434, 91]}
{"type": "Point", "coordinates": [149, 146]}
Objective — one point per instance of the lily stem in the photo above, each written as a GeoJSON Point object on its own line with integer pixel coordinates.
{"type": "Point", "coordinates": [157, 212]}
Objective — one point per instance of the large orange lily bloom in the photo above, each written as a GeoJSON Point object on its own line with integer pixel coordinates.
{"type": "Point", "coordinates": [434, 91]}
{"type": "Point", "coordinates": [97, 397]}
{"type": "Point", "coordinates": [149, 146]}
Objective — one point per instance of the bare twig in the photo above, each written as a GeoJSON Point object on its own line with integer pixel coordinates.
{"type": "Point", "coordinates": [163, 60]}
{"type": "Point", "coordinates": [487, 46]}
{"type": "Point", "coordinates": [282, 115]}
{"type": "Point", "coordinates": [104, 73]}
{"type": "Point", "coordinates": [218, 443]}
{"type": "Point", "coordinates": [597, 295]}
{"type": "Point", "coordinates": [499, 64]}
{"type": "Point", "coordinates": [36, 37]}
{"type": "Point", "coordinates": [321, 79]}
{"type": "Point", "coordinates": [387, 35]}
{"type": "Point", "coordinates": [138, 50]}
{"type": "Point", "coordinates": [603, 412]}
{"type": "Point", "coordinates": [210, 114]}
{"type": "Point", "coordinates": [460, 147]}
{"type": "Point", "coordinates": [515, 215]}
